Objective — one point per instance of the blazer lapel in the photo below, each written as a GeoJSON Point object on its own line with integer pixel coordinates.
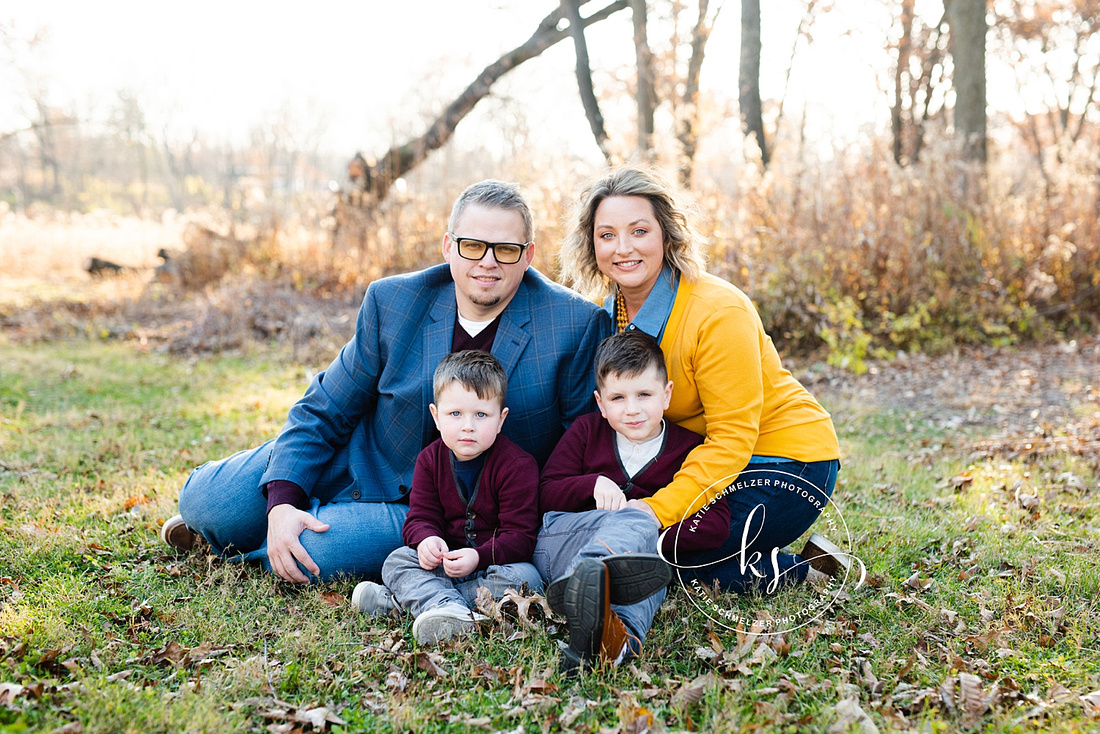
{"type": "Point", "coordinates": [512, 335]}
{"type": "Point", "coordinates": [435, 342]}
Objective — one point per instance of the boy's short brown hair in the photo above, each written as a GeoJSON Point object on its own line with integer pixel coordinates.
{"type": "Point", "coordinates": [475, 370]}
{"type": "Point", "coordinates": [628, 354]}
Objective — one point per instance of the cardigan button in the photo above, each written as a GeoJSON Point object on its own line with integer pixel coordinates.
{"type": "Point", "coordinates": [356, 494]}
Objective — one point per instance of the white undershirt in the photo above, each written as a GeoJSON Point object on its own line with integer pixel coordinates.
{"type": "Point", "coordinates": [636, 455]}
{"type": "Point", "coordinates": [473, 328]}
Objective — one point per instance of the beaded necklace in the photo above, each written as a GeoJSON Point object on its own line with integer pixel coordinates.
{"type": "Point", "coordinates": [621, 319]}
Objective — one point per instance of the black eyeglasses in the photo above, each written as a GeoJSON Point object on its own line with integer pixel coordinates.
{"type": "Point", "coordinates": [505, 253]}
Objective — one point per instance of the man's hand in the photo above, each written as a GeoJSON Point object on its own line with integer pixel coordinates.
{"type": "Point", "coordinates": [608, 495]}
{"type": "Point", "coordinates": [644, 507]}
{"type": "Point", "coordinates": [431, 552]}
{"type": "Point", "coordinates": [461, 562]}
{"type": "Point", "coordinates": [285, 524]}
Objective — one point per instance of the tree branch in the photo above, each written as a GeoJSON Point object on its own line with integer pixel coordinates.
{"type": "Point", "coordinates": [401, 159]}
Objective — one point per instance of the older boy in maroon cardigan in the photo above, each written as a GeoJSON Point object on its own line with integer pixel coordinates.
{"type": "Point", "coordinates": [597, 550]}
{"type": "Point", "coordinates": [473, 509]}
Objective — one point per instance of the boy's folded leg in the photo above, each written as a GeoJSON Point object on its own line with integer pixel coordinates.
{"type": "Point", "coordinates": [633, 577]}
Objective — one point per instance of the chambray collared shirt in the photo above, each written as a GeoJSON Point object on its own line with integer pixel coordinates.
{"type": "Point", "coordinates": [653, 315]}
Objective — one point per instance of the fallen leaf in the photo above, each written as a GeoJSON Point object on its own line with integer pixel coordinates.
{"type": "Point", "coordinates": [849, 714]}
{"type": "Point", "coordinates": [973, 701]}
{"type": "Point", "coordinates": [9, 692]}
{"type": "Point", "coordinates": [431, 663]}
{"type": "Point", "coordinates": [172, 653]}
{"type": "Point", "coordinates": [636, 721]}
{"type": "Point", "coordinates": [333, 599]}
{"type": "Point", "coordinates": [396, 680]}
{"type": "Point", "coordinates": [1092, 703]}
{"type": "Point", "coordinates": [692, 692]}
{"type": "Point", "coordinates": [134, 501]}
{"type": "Point", "coordinates": [319, 717]}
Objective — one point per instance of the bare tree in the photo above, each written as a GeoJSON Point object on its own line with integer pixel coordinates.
{"type": "Point", "coordinates": [689, 110]}
{"type": "Point", "coordinates": [645, 94]}
{"type": "Point", "coordinates": [968, 30]}
{"type": "Point", "coordinates": [752, 116]}
{"type": "Point", "coordinates": [571, 10]}
{"type": "Point", "coordinates": [917, 97]}
{"type": "Point", "coordinates": [400, 159]}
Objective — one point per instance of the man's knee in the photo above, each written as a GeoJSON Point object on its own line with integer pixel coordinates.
{"type": "Point", "coordinates": [193, 499]}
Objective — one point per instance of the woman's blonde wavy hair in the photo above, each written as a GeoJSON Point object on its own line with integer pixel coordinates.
{"type": "Point", "coordinates": [684, 249]}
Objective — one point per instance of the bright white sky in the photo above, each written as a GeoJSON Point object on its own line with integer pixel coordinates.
{"type": "Point", "coordinates": [362, 73]}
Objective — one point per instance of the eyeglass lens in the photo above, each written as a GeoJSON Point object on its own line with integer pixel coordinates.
{"type": "Point", "coordinates": [505, 253]}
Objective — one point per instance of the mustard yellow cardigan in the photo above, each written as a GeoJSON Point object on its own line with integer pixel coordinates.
{"type": "Point", "coordinates": [729, 386]}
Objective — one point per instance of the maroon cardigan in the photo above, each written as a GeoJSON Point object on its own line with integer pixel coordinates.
{"type": "Point", "coordinates": [501, 519]}
{"type": "Point", "coordinates": [588, 451]}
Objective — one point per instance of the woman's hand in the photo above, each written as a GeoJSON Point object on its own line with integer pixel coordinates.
{"type": "Point", "coordinates": [461, 562]}
{"type": "Point", "coordinates": [608, 495]}
{"type": "Point", "coordinates": [431, 551]}
{"type": "Point", "coordinates": [644, 507]}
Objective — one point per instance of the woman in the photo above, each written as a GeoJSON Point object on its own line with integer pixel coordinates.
{"type": "Point", "coordinates": [769, 447]}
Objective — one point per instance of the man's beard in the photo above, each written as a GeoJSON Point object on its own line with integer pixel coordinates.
{"type": "Point", "coordinates": [487, 301]}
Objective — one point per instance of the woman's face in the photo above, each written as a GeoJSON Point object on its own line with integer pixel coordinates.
{"type": "Point", "coordinates": [629, 243]}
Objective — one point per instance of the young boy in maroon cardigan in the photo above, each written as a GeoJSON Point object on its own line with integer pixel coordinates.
{"type": "Point", "coordinates": [593, 546]}
{"type": "Point", "coordinates": [473, 509]}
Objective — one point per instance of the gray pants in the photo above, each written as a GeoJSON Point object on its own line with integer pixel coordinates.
{"type": "Point", "coordinates": [417, 590]}
{"type": "Point", "coordinates": [568, 537]}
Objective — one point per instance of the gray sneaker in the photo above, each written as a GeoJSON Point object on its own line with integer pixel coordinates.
{"type": "Point", "coordinates": [445, 623]}
{"type": "Point", "coordinates": [373, 600]}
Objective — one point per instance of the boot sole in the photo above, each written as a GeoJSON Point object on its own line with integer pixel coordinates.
{"type": "Point", "coordinates": [584, 602]}
{"type": "Point", "coordinates": [634, 577]}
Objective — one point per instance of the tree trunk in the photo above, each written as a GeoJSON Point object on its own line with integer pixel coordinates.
{"type": "Point", "coordinates": [401, 159]}
{"type": "Point", "coordinates": [690, 109]}
{"type": "Point", "coordinates": [897, 114]}
{"type": "Point", "coordinates": [968, 30]}
{"type": "Point", "coordinates": [645, 95]}
{"type": "Point", "coordinates": [571, 9]}
{"type": "Point", "coordinates": [752, 117]}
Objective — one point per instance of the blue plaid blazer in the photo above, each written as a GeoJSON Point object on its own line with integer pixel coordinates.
{"type": "Point", "coordinates": [356, 432]}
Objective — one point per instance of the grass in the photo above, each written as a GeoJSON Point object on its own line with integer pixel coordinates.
{"type": "Point", "coordinates": [979, 613]}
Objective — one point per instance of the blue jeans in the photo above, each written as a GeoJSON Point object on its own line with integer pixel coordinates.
{"type": "Point", "coordinates": [222, 501]}
{"type": "Point", "coordinates": [568, 537]}
{"type": "Point", "coordinates": [771, 505]}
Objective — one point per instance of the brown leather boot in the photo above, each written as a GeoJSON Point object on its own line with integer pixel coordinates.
{"type": "Point", "coordinates": [613, 639]}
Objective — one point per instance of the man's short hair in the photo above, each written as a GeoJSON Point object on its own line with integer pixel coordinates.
{"type": "Point", "coordinates": [628, 354]}
{"type": "Point", "coordinates": [475, 370]}
{"type": "Point", "coordinates": [495, 195]}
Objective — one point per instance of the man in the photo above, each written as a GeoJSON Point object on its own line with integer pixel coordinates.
{"type": "Point", "coordinates": [328, 496]}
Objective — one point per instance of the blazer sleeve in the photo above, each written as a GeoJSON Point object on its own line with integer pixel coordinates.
{"type": "Point", "coordinates": [322, 421]}
{"type": "Point", "coordinates": [566, 485]}
{"type": "Point", "coordinates": [513, 540]}
{"type": "Point", "coordinates": [426, 513]}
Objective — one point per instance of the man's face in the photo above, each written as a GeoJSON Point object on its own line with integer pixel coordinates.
{"type": "Point", "coordinates": [484, 287]}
